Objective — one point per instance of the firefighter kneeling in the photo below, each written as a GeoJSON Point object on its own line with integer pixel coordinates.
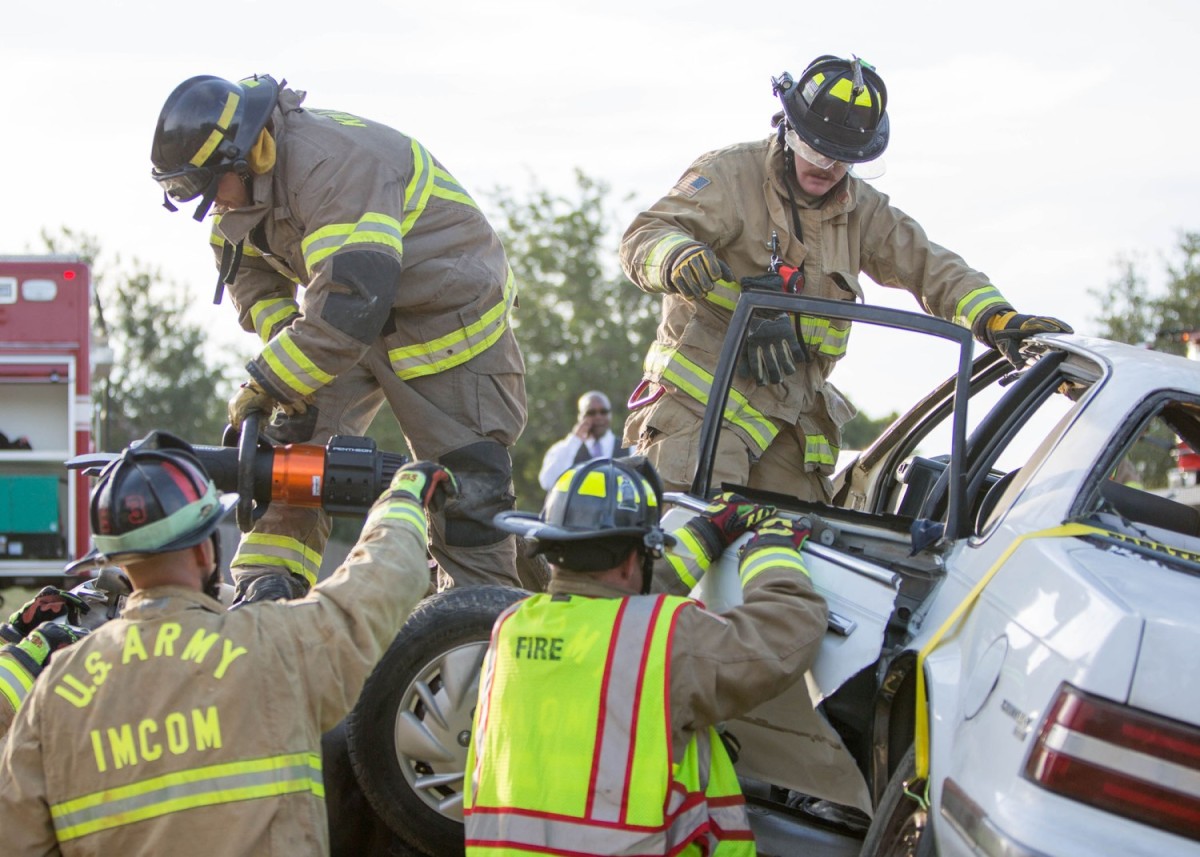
{"type": "Point", "coordinates": [594, 733]}
{"type": "Point", "coordinates": [183, 727]}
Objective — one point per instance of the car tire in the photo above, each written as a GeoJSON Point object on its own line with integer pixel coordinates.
{"type": "Point", "coordinates": [900, 826]}
{"type": "Point", "coordinates": [409, 732]}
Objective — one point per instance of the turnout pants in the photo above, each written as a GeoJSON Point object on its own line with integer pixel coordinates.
{"type": "Point", "coordinates": [465, 418]}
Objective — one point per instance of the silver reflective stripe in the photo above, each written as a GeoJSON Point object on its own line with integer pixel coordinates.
{"type": "Point", "coordinates": [556, 834]}
{"type": "Point", "coordinates": [208, 786]}
{"type": "Point", "coordinates": [631, 639]}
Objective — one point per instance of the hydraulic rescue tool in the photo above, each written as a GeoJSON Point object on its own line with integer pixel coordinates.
{"type": "Point", "coordinates": [343, 477]}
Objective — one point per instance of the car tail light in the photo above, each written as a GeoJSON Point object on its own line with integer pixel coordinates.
{"type": "Point", "coordinates": [1121, 760]}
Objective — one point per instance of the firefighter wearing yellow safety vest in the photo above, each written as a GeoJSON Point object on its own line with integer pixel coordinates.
{"type": "Point", "coordinates": [181, 727]}
{"type": "Point", "coordinates": [407, 298]}
{"type": "Point", "coordinates": [595, 731]}
{"type": "Point", "coordinates": [786, 214]}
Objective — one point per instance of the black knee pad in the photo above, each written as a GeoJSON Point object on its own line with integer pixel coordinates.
{"type": "Point", "coordinates": [484, 474]}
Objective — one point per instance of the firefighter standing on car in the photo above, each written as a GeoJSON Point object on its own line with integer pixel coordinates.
{"type": "Point", "coordinates": [617, 670]}
{"type": "Point", "coordinates": [407, 297]}
{"type": "Point", "coordinates": [785, 213]}
{"type": "Point", "coordinates": [181, 727]}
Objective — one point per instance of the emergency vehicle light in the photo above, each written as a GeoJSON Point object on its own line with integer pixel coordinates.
{"type": "Point", "coordinates": [1121, 760]}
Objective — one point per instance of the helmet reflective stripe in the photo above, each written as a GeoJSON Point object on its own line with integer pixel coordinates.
{"type": "Point", "coordinates": [163, 531]}
{"type": "Point", "coordinates": [182, 790]}
{"type": "Point", "coordinates": [215, 138]}
{"type": "Point", "coordinates": [595, 484]}
{"type": "Point", "coordinates": [844, 90]}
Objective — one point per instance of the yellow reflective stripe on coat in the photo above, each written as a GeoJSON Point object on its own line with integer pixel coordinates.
{"type": "Point", "coordinates": [372, 228]}
{"type": "Point", "coordinates": [445, 186]}
{"type": "Point", "coordinates": [775, 556]}
{"type": "Point", "coordinates": [420, 186]}
{"type": "Point", "coordinates": [828, 337]}
{"type": "Point", "coordinates": [408, 511]}
{"type": "Point", "coordinates": [652, 268]}
{"type": "Point", "coordinates": [688, 557]}
{"type": "Point", "coordinates": [208, 786]}
{"type": "Point", "coordinates": [216, 239]}
{"type": "Point", "coordinates": [292, 366]}
{"type": "Point", "coordinates": [456, 348]}
{"type": "Point", "coordinates": [921, 737]}
{"type": "Point", "coordinates": [265, 315]}
{"type": "Point", "coordinates": [15, 680]}
{"type": "Point", "coordinates": [975, 302]}
{"type": "Point", "coordinates": [691, 379]}
{"type": "Point", "coordinates": [282, 552]}
{"type": "Point", "coordinates": [725, 294]}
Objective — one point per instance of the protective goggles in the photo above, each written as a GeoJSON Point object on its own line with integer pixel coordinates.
{"type": "Point", "coordinates": [821, 162]}
{"type": "Point", "coordinates": [187, 183]}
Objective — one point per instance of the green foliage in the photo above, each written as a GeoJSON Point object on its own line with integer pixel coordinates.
{"type": "Point", "coordinates": [862, 430]}
{"type": "Point", "coordinates": [1133, 313]}
{"type": "Point", "coordinates": [581, 324]}
{"type": "Point", "coordinates": [160, 376]}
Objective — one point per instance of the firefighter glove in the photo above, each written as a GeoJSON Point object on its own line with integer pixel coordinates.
{"type": "Point", "coordinates": [426, 482]}
{"type": "Point", "coordinates": [1006, 329]}
{"type": "Point", "coordinates": [252, 397]}
{"type": "Point", "coordinates": [726, 518]}
{"type": "Point", "coordinates": [44, 640]}
{"type": "Point", "coordinates": [771, 349]}
{"type": "Point", "coordinates": [275, 586]}
{"type": "Point", "coordinates": [694, 271]}
{"type": "Point", "coordinates": [50, 603]}
{"type": "Point", "coordinates": [778, 531]}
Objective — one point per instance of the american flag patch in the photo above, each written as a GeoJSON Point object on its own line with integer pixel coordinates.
{"type": "Point", "coordinates": [690, 184]}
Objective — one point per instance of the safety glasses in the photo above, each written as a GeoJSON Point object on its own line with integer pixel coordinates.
{"type": "Point", "coordinates": [807, 152]}
{"type": "Point", "coordinates": [187, 183]}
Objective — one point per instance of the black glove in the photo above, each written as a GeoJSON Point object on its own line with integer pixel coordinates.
{"type": "Point", "coordinates": [50, 603]}
{"type": "Point", "coordinates": [778, 531]}
{"type": "Point", "coordinates": [279, 586]}
{"type": "Point", "coordinates": [771, 349]}
{"type": "Point", "coordinates": [39, 644]}
{"type": "Point", "coordinates": [726, 518]}
{"type": "Point", "coordinates": [694, 271]}
{"type": "Point", "coordinates": [427, 482]}
{"type": "Point", "coordinates": [1006, 329]}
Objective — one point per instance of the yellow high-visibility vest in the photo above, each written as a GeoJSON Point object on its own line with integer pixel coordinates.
{"type": "Point", "coordinates": [571, 747]}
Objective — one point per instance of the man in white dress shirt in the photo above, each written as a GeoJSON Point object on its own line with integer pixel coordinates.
{"type": "Point", "coordinates": [591, 437]}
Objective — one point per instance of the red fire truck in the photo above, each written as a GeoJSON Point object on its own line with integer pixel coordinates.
{"type": "Point", "coordinates": [45, 413]}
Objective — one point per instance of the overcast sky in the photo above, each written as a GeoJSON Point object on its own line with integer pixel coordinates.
{"type": "Point", "coordinates": [1040, 140]}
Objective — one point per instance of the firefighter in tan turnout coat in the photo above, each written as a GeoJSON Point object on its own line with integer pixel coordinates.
{"type": "Point", "coordinates": [406, 297]}
{"type": "Point", "coordinates": [181, 727]}
{"type": "Point", "coordinates": [784, 213]}
{"type": "Point", "coordinates": [633, 683]}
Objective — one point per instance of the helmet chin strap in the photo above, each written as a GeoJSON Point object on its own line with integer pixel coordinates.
{"type": "Point", "coordinates": [212, 586]}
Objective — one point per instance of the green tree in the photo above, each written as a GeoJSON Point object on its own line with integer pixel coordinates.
{"type": "Point", "coordinates": [862, 430]}
{"type": "Point", "coordinates": [161, 377]}
{"type": "Point", "coordinates": [1162, 319]}
{"type": "Point", "coordinates": [580, 322]}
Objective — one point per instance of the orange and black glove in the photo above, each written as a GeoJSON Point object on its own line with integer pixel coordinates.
{"type": "Point", "coordinates": [50, 603]}
{"type": "Point", "coordinates": [725, 518]}
{"type": "Point", "coordinates": [33, 652]}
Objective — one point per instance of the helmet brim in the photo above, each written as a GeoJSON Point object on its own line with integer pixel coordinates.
{"type": "Point", "coordinates": [530, 526]}
{"type": "Point", "coordinates": [94, 559]}
{"type": "Point", "coordinates": [848, 154]}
